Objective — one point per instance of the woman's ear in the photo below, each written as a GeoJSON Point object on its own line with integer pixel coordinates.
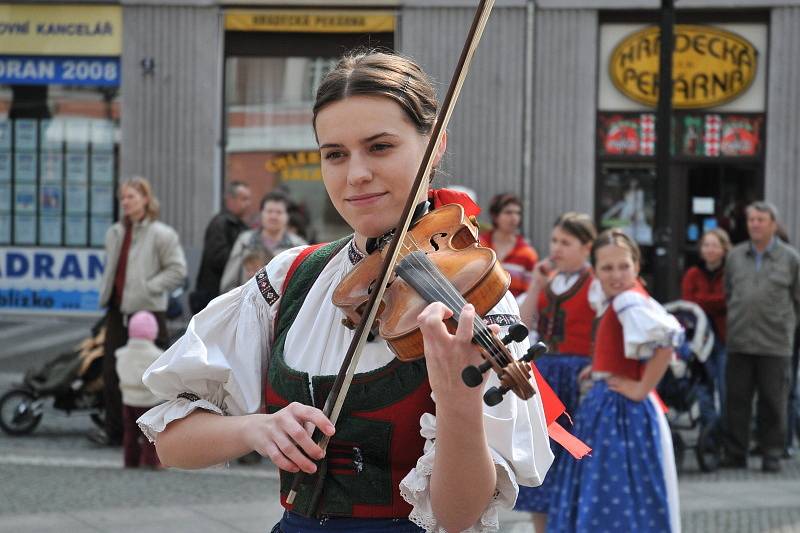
{"type": "Point", "coordinates": [440, 150]}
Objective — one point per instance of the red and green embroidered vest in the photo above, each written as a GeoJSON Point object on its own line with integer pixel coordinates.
{"type": "Point", "coordinates": [377, 440]}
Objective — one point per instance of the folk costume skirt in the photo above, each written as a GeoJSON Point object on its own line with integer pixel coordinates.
{"type": "Point", "coordinates": [561, 372]}
{"type": "Point", "coordinates": [295, 523]}
{"type": "Point", "coordinates": [629, 482]}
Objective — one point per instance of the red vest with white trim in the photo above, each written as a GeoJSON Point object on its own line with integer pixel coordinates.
{"type": "Point", "coordinates": [565, 320]}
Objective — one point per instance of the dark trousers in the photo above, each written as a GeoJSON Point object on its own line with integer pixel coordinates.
{"type": "Point", "coordinates": [137, 450]}
{"type": "Point", "coordinates": [793, 409]}
{"type": "Point", "coordinates": [117, 337]}
{"type": "Point", "coordinates": [769, 376]}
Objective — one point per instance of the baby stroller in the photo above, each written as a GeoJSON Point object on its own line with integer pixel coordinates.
{"type": "Point", "coordinates": [74, 380]}
{"type": "Point", "coordinates": [688, 387]}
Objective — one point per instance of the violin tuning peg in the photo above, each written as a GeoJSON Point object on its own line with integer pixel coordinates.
{"type": "Point", "coordinates": [494, 395]}
{"type": "Point", "coordinates": [534, 352]}
{"type": "Point", "coordinates": [472, 376]}
{"type": "Point", "coordinates": [516, 332]}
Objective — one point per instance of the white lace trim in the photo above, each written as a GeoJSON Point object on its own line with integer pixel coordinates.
{"type": "Point", "coordinates": [156, 419]}
{"type": "Point", "coordinates": [415, 489]}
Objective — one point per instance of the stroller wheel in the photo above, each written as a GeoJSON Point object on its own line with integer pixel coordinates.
{"type": "Point", "coordinates": [19, 412]}
{"type": "Point", "coordinates": [708, 448]}
{"type": "Point", "coordinates": [679, 448]}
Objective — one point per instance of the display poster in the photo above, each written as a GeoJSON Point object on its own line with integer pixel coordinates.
{"type": "Point", "coordinates": [51, 132]}
{"type": "Point", "coordinates": [98, 228]}
{"type": "Point", "coordinates": [5, 166]}
{"type": "Point", "coordinates": [25, 167]}
{"type": "Point", "coordinates": [50, 280]}
{"type": "Point", "coordinates": [5, 228]}
{"type": "Point", "coordinates": [102, 167]}
{"type": "Point", "coordinates": [51, 196]}
{"type": "Point", "coordinates": [50, 230]}
{"type": "Point", "coordinates": [25, 134]}
{"type": "Point", "coordinates": [77, 167]}
{"type": "Point", "coordinates": [25, 198]}
{"type": "Point", "coordinates": [77, 200]}
{"type": "Point", "coordinates": [24, 229]}
{"type": "Point", "coordinates": [741, 135]}
{"type": "Point", "coordinates": [75, 234]}
{"type": "Point", "coordinates": [102, 136]}
{"type": "Point", "coordinates": [5, 135]}
{"type": "Point", "coordinates": [5, 197]}
{"type": "Point", "coordinates": [77, 135]}
{"type": "Point", "coordinates": [102, 200]}
{"type": "Point", "coordinates": [51, 166]}
{"type": "Point", "coordinates": [627, 201]}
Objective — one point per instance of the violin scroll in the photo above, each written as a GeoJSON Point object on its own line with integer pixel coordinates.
{"type": "Point", "coordinates": [513, 372]}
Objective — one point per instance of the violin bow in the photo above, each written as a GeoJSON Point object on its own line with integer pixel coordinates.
{"type": "Point", "coordinates": [338, 393]}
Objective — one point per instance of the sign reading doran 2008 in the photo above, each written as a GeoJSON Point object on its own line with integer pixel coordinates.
{"type": "Point", "coordinates": [710, 66]}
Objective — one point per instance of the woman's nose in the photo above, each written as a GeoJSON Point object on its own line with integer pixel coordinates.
{"type": "Point", "coordinates": [358, 171]}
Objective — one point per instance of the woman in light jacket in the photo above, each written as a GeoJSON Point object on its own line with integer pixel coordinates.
{"type": "Point", "coordinates": [144, 263]}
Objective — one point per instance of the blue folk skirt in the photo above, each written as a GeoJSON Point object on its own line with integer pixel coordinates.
{"type": "Point", "coordinates": [561, 372]}
{"type": "Point", "coordinates": [294, 523]}
{"type": "Point", "coordinates": [629, 481]}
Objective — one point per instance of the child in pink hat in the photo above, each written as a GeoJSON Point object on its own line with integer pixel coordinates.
{"type": "Point", "coordinates": [132, 360]}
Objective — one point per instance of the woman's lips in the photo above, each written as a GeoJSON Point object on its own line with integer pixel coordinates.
{"type": "Point", "coordinates": [365, 199]}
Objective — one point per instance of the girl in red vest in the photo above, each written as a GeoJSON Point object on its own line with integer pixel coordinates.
{"type": "Point", "coordinates": [630, 482]}
{"type": "Point", "coordinates": [557, 307]}
{"type": "Point", "coordinates": [414, 448]}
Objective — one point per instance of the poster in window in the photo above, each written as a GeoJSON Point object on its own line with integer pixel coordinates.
{"type": "Point", "coordinates": [77, 200]}
{"type": "Point", "coordinates": [25, 135]}
{"type": "Point", "coordinates": [77, 168]}
{"type": "Point", "coordinates": [77, 135]}
{"type": "Point", "coordinates": [25, 199]}
{"type": "Point", "coordinates": [102, 168]}
{"type": "Point", "coordinates": [98, 228]}
{"type": "Point", "coordinates": [75, 230]}
{"type": "Point", "coordinates": [51, 132]}
{"type": "Point", "coordinates": [50, 197]}
{"type": "Point", "coordinates": [24, 229]}
{"type": "Point", "coordinates": [5, 228]}
{"type": "Point", "coordinates": [102, 199]}
{"type": "Point", "coordinates": [626, 197]}
{"type": "Point", "coordinates": [102, 136]}
{"type": "Point", "coordinates": [50, 230]}
{"type": "Point", "coordinates": [5, 197]}
{"type": "Point", "coordinates": [740, 136]}
{"type": "Point", "coordinates": [25, 167]}
{"type": "Point", "coordinates": [51, 166]}
{"type": "Point", "coordinates": [5, 135]}
{"type": "Point", "coordinates": [692, 138]}
{"type": "Point", "coordinates": [5, 166]}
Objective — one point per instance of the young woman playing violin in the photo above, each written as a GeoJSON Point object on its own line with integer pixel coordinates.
{"type": "Point", "coordinates": [415, 448]}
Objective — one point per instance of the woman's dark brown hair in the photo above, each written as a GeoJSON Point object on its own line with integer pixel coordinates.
{"type": "Point", "coordinates": [373, 73]}
{"type": "Point", "coordinates": [616, 237]}
{"type": "Point", "coordinates": [500, 202]}
{"type": "Point", "coordinates": [579, 225]}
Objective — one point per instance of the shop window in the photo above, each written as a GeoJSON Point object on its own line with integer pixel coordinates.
{"type": "Point", "coordinates": [58, 164]}
{"type": "Point", "coordinates": [270, 141]}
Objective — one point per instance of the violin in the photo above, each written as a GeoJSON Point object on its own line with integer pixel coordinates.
{"type": "Point", "coordinates": [441, 260]}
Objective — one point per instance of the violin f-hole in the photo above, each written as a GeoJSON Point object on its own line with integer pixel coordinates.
{"type": "Point", "coordinates": [434, 244]}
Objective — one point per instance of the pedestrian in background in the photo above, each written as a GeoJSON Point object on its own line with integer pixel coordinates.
{"type": "Point", "coordinates": [144, 263]}
{"type": "Point", "coordinates": [132, 360]}
{"type": "Point", "coordinates": [220, 236]}
{"type": "Point", "coordinates": [762, 284]}
{"type": "Point", "coordinates": [704, 285]}
{"type": "Point", "coordinates": [630, 482]}
{"type": "Point", "coordinates": [558, 308]}
{"type": "Point", "coordinates": [513, 251]}
{"type": "Point", "coordinates": [272, 236]}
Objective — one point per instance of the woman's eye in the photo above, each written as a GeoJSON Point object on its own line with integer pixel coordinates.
{"type": "Point", "coordinates": [380, 147]}
{"type": "Point", "coordinates": [334, 155]}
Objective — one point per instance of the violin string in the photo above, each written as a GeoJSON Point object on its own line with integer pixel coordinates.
{"type": "Point", "coordinates": [453, 299]}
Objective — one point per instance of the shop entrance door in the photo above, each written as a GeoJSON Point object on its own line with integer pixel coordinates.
{"type": "Point", "coordinates": [716, 196]}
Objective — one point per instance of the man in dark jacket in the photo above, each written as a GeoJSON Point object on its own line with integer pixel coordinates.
{"type": "Point", "coordinates": [220, 235]}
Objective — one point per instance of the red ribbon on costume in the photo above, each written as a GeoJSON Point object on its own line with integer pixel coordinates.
{"type": "Point", "coordinates": [440, 197]}
{"type": "Point", "coordinates": [553, 408]}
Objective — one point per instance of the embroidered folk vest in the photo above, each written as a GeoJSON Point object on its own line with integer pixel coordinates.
{"type": "Point", "coordinates": [609, 355]}
{"type": "Point", "coordinates": [377, 440]}
{"type": "Point", "coordinates": [565, 320]}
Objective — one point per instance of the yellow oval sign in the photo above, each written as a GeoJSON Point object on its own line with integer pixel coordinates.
{"type": "Point", "coordinates": [710, 66]}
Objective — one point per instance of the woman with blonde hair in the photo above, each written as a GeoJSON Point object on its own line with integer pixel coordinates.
{"type": "Point", "coordinates": [144, 263]}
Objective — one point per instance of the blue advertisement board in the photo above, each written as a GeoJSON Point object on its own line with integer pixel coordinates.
{"type": "Point", "coordinates": [45, 70]}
